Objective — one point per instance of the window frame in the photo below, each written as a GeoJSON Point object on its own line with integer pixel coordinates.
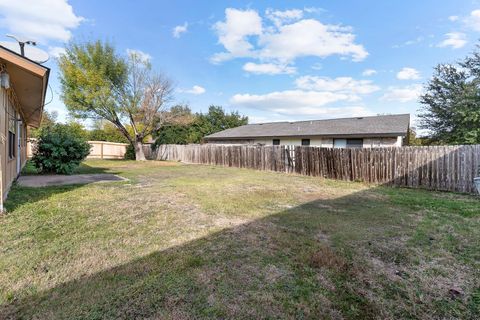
{"type": "Point", "coordinates": [357, 145]}
{"type": "Point", "coordinates": [12, 135]}
{"type": "Point", "coordinates": [305, 142]}
{"type": "Point", "coordinates": [276, 142]}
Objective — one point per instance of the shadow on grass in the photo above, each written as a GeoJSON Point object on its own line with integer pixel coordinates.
{"type": "Point", "coordinates": [298, 263]}
{"type": "Point", "coordinates": [85, 168]}
{"type": "Point", "coordinates": [20, 195]}
{"type": "Point", "coordinates": [30, 169]}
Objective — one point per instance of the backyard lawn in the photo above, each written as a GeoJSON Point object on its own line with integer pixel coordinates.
{"type": "Point", "coordinates": [184, 241]}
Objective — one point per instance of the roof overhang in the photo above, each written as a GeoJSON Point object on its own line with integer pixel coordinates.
{"type": "Point", "coordinates": [29, 81]}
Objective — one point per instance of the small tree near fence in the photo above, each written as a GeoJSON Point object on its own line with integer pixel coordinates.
{"type": "Point", "coordinates": [59, 149]}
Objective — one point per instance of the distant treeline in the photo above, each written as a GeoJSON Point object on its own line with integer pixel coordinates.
{"type": "Point", "coordinates": [187, 127]}
{"type": "Point", "coordinates": [181, 127]}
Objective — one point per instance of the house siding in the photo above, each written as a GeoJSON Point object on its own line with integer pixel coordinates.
{"type": "Point", "coordinates": [8, 166]}
{"type": "Point", "coordinates": [314, 141]}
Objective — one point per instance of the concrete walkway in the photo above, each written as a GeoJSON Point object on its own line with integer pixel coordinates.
{"type": "Point", "coordinates": [59, 180]}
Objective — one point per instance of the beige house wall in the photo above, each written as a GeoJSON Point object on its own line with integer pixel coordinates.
{"type": "Point", "coordinates": [382, 142]}
{"type": "Point", "coordinates": [8, 167]}
{"type": "Point", "coordinates": [316, 141]}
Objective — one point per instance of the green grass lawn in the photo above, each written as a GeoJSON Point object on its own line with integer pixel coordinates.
{"type": "Point", "coordinates": [184, 241]}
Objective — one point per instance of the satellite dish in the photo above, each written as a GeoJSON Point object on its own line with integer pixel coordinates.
{"type": "Point", "coordinates": [31, 52]}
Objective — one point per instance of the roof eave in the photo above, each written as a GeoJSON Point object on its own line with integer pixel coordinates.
{"type": "Point", "coordinates": [36, 70]}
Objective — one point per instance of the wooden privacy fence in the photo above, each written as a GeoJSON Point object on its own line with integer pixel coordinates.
{"type": "Point", "coordinates": [99, 150]}
{"type": "Point", "coordinates": [271, 158]}
{"type": "Point", "coordinates": [447, 168]}
{"type": "Point", "coordinates": [107, 150]}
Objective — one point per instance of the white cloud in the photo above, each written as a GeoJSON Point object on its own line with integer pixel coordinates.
{"type": "Point", "coordinates": [320, 113]}
{"type": "Point", "coordinates": [408, 74]}
{"type": "Point", "coordinates": [409, 42]}
{"type": "Point", "coordinates": [455, 40]}
{"type": "Point", "coordinates": [289, 99]}
{"type": "Point", "coordinates": [178, 30]}
{"type": "Point", "coordinates": [281, 17]}
{"type": "Point", "coordinates": [317, 39]}
{"type": "Point", "coordinates": [40, 20]}
{"type": "Point", "coordinates": [453, 18]}
{"type": "Point", "coordinates": [314, 96]}
{"type": "Point", "coordinates": [473, 20]}
{"type": "Point", "coordinates": [299, 102]}
{"type": "Point", "coordinates": [268, 68]}
{"type": "Point", "coordinates": [403, 94]}
{"type": "Point", "coordinates": [140, 54]}
{"type": "Point", "coordinates": [56, 52]}
{"type": "Point", "coordinates": [263, 119]}
{"type": "Point", "coordinates": [196, 90]}
{"type": "Point", "coordinates": [282, 42]}
{"type": "Point", "coordinates": [233, 33]}
{"type": "Point", "coordinates": [313, 10]}
{"type": "Point", "coordinates": [341, 84]}
{"type": "Point", "coordinates": [369, 72]}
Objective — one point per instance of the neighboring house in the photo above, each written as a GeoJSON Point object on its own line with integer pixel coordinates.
{"type": "Point", "coordinates": [22, 96]}
{"type": "Point", "coordinates": [366, 132]}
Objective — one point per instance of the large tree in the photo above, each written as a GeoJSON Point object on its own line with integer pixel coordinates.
{"type": "Point", "coordinates": [97, 83]}
{"type": "Point", "coordinates": [451, 101]}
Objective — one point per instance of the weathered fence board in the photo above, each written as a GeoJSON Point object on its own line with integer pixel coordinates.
{"type": "Point", "coordinates": [447, 168]}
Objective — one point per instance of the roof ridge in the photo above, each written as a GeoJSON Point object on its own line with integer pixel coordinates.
{"type": "Point", "coordinates": [371, 125]}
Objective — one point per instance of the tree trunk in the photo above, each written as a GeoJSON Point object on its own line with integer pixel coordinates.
{"type": "Point", "coordinates": [139, 155]}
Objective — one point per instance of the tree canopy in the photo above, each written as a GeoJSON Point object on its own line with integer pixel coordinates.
{"type": "Point", "coordinates": [194, 127]}
{"type": "Point", "coordinates": [451, 102]}
{"type": "Point", "coordinates": [97, 83]}
{"type": "Point", "coordinates": [105, 131]}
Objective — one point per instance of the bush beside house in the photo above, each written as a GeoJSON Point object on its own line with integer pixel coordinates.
{"type": "Point", "coordinates": [59, 149]}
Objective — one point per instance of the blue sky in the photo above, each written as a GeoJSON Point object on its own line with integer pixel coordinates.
{"type": "Point", "coordinates": [270, 60]}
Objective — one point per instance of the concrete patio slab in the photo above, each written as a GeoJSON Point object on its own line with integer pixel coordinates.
{"type": "Point", "coordinates": [58, 180]}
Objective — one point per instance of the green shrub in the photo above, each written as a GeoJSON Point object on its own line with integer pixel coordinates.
{"type": "Point", "coordinates": [59, 149]}
{"type": "Point", "coordinates": [129, 153]}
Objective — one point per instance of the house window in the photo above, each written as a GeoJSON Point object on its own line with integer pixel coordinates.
{"type": "Point", "coordinates": [305, 142]}
{"type": "Point", "coordinates": [348, 143]}
{"type": "Point", "coordinates": [11, 138]}
{"type": "Point", "coordinates": [276, 142]}
{"type": "Point", "coordinates": [339, 143]}
{"type": "Point", "coordinates": [354, 143]}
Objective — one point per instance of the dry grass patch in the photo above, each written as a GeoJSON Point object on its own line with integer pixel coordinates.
{"type": "Point", "coordinates": [198, 242]}
{"type": "Point", "coordinates": [325, 257]}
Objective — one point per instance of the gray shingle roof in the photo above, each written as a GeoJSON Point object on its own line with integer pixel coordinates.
{"type": "Point", "coordinates": [387, 125]}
